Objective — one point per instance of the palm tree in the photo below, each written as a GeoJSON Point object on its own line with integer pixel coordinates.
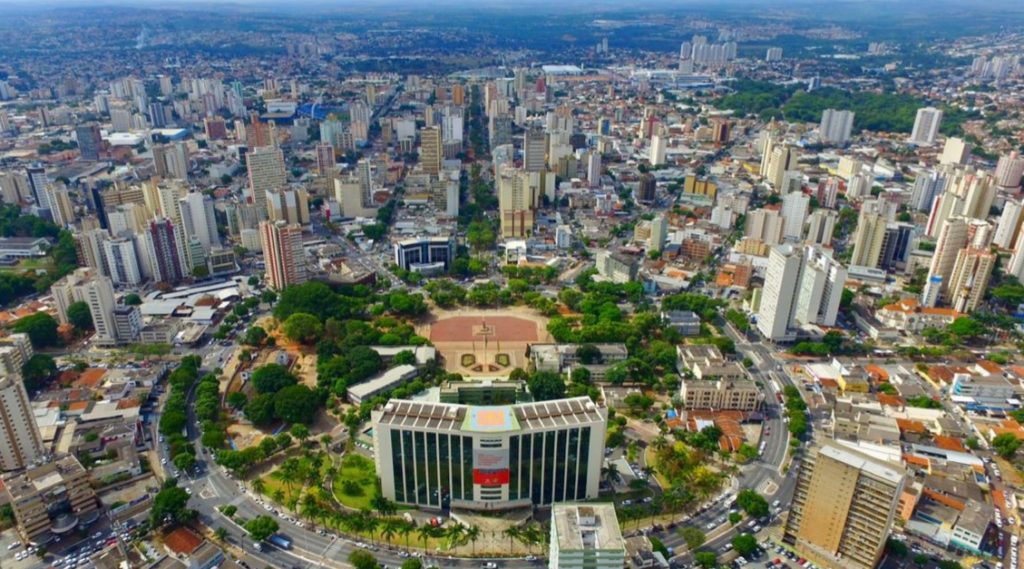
{"type": "Point", "coordinates": [531, 536]}
{"type": "Point", "coordinates": [425, 532]}
{"type": "Point", "coordinates": [406, 528]}
{"type": "Point", "coordinates": [473, 534]}
{"type": "Point", "coordinates": [310, 508]}
{"type": "Point", "coordinates": [258, 486]}
{"type": "Point", "coordinates": [370, 524]}
{"type": "Point", "coordinates": [513, 533]}
{"type": "Point", "coordinates": [222, 534]}
{"type": "Point", "coordinates": [279, 496]}
{"type": "Point", "coordinates": [454, 533]}
{"type": "Point", "coordinates": [611, 473]}
{"type": "Point", "coordinates": [659, 442]}
{"type": "Point", "coordinates": [383, 506]}
{"type": "Point", "coordinates": [388, 529]}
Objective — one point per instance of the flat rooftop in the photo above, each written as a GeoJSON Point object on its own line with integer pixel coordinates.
{"type": "Point", "coordinates": [587, 527]}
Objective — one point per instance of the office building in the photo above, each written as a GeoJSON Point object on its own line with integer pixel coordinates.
{"type": "Point", "coordinates": [843, 507]}
{"type": "Point", "coordinates": [535, 147]}
{"type": "Point", "coordinates": [956, 151]}
{"type": "Point", "coordinates": [20, 441]}
{"type": "Point", "coordinates": [616, 267]}
{"type": "Point", "coordinates": [283, 254]}
{"type": "Point", "coordinates": [198, 218]}
{"type": "Point", "coordinates": [836, 126]}
{"type": "Point", "coordinates": [926, 126]}
{"type": "Point", "coordinates": [647, 188]}
{"type": "Point", "coordinates": [803, 285]}
{"type": "Point", "coordinates": [266, 172]}
{"type": "Point", "coordinates": [37, 182]}
{"type": "Point", "coordinates": [658, 149]}
{"type": "Point", "coordinates": [431, 151]}
{"type": "Point", "coordinates": [896, 246]}
{"type": "Point", "coordinates": [427, 255]}
{"type": "Point", "coordinates": [90, 141]}
{"type": "Point", "coordinates": [593, 168]}
{"type": "Point", "coordinates": [51, 500]}
{"type": "Point", "coordinates": [868, 241]}
{"type": "Point", "coordinates": [585, 536]}
{"type": "Point", "coordinates": [499, 130]}
{"type": "Point", "coordinates": [436, 455]}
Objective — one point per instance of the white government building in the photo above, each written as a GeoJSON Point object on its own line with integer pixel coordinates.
{"type": "Point", "coordinates": [436, 455]}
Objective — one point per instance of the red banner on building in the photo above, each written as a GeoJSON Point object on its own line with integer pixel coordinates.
{"type": "Point", "coordinates": [490, 477]}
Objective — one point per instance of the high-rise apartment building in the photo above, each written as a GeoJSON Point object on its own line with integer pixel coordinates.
{"type": "Point", "coordinates": [836, 126]}
{"type": "Point", "coordinates": [766, 225]}
{"type": "Point", "coordinates": [283, 254]}
{"type": "Point", "coordinates": [290, 205]}
{"type": "Point", "coordinates": [324, 158]}
{"type": "Point", "coordinates": [266, 172]}
{"type": "Point", "coordinates": [1009, 224]}
{"type": "Point", "coordinates": [795, 206]}
{"type": "Point", "coordinates": [165, 251]}
{"type": "Point", "coordinates": [957, 233]}
{"type": "Point", "coordinates": [122, 261]}
{"type": "Point", "coordinates": [803, 285]}
{"type": "Point", "coordinates": [518, 199]}
{"type": "Point", "coordinates": [820, 227]}
{"type": "Point", "coordinates": [926, 126]}
{"type": "Point", "coordinates": [658, 149]}
{"type": "Point", "coordinates": [956, 151]}
{"type": "Point", "coordinates": [776, 161]}
{"type": "Point", "coordinates": [868, 241]}
{"type": "Point", "coordinates": [969, 279]}
{"type": "Point", "coordinates": [171, 160]}
{"type": "Point", "coordinates": [98, 293]}
{"type": "Point", "coordinates": [21, 444]}
{"type": "Point", "coordinates": [843, 507]}
{"type": "Point", "coordinates": [37, 182]}
{"type": "Point", "coordinates": [198, 219]}
{"type": "Point", "coordinates": [431, 150]}
{"type": "Point", "coordinates": [1009, 170]}
{"type": "Point", "coordinates": [585, 536]}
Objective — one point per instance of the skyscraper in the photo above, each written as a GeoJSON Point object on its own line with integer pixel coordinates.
{"type": "Point", "coordinates": [266, 172]}
{"type": "Point", "coordinates": [1009, 170]}
{"type": "Point", "coordinates": [594, 169]}
{"type": "Point", "coordinates": [956, 151]}
{"type": "Point", "coordinates": [171, 160]}
{"type": "Point", "coordinates": [165, 251]}
{"type": "Point", "coordinates": [89, 141]}
{"type": "Point", "coordinates": [957, 233]}
{"type": "Point", "coordinates": [324, 158]}
{"type": "Point", "coordinates": [518, 198]}
{"type": "Point", "coordinates": [843, 507]}
{"type": "Point", "coordinates": [658, 150]}
{"type": "Point", "coordinates": [803, 285]}
{"type": "Point", "coordinates": [1009, 224]}
{"type": "Point", "coordinates": [283, 254]}
{"type": "Point", "coordinates": [122, 261]}
{"type": "Point", "coordinates": [98, 293]}
{"type": "Point", "coordinates": [22, 442]}
{"type": "Point", "coordinates": [647, 188]}
{"type": "Point", "coordinates": [836, 126]}
{"type": "Point", "coordinates": [795, 206]}
{"type": "Point", "coordinates": [659, 231]}
{"type": "Point", "coordinates": [969, 279]}
{"type": "Point", "coordinates": [431, 151]}
{"type": "Point", "coordinates": [778, 160]}
{"type": "Point", "coordinates": [534, 150]}
{"type": "Point", "coordinates": [37, 181]}
{"type": "Point", "coordinates": [290, 205]}
{"type": "Point", "coordinates": [926, 126]}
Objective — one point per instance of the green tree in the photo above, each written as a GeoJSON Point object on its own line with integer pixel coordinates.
{"type": "Point", "coordinates": [237, 399]}
{"type": "Point", "coordinates": [361, 559]}
{"type": "Point", "coordinates": [545, 386]}
{"type": "Point", "coordinates": [271, 378]}
{"type": "Point", "coordinates": [752, 503]}
{"type": "Point", "coordinates": [132, 299]}
{"type": "Point", "coordinates": [255, 336]}
{"type": "Point", "coordinates": [80, 316]}
{"type": "Point", "coordinates": [303, 328]}
{"type": "Point", "coordinates": [967, 328]}
{"type": "Point", "coordinates": [296, 404]}
{"type": "Point", "coordinates": [706, 559]}
{"type": "Point", "coordinates": [1006, 445]}
{"type": "Point", "coordinates": [744, 544]}
{"type": "Point", "coordinates": [40, 327]}
{"type": "Point", "coordinates": [693, 537]}
{"type": "Point", "coordinates": [412, 563]}
{"type": "Point", "coordinates": [184, 461]}
{"type": "Point", "coordinates": [170, 506]}
{"type": "Point", "coordinates": [261, 527]}
{"type": "Point", "coordinates": [260, 409]}
{"type": "Point", "coordinates": [38, 371]}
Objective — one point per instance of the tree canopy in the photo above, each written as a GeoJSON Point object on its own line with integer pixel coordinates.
{"type": "Point", "coordinates": [271, 378]}
{"type": "Point", "coordinates": [40, 327]}
{"type": "Point", "coordinates": [80, 316]}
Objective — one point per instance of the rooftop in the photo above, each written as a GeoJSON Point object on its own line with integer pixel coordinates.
{"type": "Point", "coordinates": [592, 527]}
{"type": "Point", "coordinates": [466, 418]}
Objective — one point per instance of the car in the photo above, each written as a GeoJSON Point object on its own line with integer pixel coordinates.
{"type": "Point", "coordinates": [490, 565]}
{"type": "Point", "coordinates": [711, 526]}
{"type": "Point", "coordinates": [14, 545]}
{"type": "Point", "coordinates": [163, 461]}
{"type": "Point", "coordinates": [20, 555]}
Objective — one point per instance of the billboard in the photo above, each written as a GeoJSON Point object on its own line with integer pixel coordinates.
{"type": "Point", "coordinates": [490, 458]}
{"type": "Point", "coordinates": [490, 477]}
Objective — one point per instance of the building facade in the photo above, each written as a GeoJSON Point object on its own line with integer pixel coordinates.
{"type": "Point", "coordinates": [439, 455]}
{"type": "Point", "coordinates": [20, 441]}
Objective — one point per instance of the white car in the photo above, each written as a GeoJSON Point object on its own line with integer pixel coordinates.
{"type": "Point", "coordinates": [14, 545]}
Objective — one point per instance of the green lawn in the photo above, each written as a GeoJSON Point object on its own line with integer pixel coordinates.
{"type": "Point", "coordinates": [356, 483]}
